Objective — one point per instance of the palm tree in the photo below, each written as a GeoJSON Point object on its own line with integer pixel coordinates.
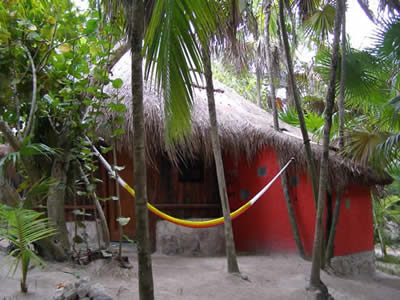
{"type": "Point", "coordinates": [342, 81]}
{"type": "Point", "coordinates": [272, 78]}
{"type": "Point", "coordinates": [315, 279]}
{"type": "Point", "coordinates": [135, 15]}
{"type": "Point", "coordinates": [233, 266]}
{"type": "Point", "coordinates": [173, 67]}
{"type": "Point", "coordinates": [23, 227]}
{"type": "Point", "coordinates": [291, 78]}
{"type": "Point", "coordinates": [370, 85]}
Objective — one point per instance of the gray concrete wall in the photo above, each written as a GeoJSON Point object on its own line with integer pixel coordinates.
{"type": "Point", "coordinates": [356, 264]}
{"type": "Point", "coordinates": [88, 233]}
{"type": "Point", "coordinates": [172, 239]}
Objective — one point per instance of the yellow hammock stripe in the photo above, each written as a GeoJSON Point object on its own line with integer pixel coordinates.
{"type": "Point", "coordinates": [187, 223]}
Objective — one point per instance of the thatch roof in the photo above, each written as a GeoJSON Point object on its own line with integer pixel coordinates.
{"type": "Point", "coordinates": [244, 129]}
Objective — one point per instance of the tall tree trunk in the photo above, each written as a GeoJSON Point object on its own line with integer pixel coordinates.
{"type": "Point", "coordinates": [56, 201]}
{"type": "Point", "coordinates": [117, 192]}
{"type": "Point", "coordinates": [103, 222]}
{"type": "Point", "coordinates": [146, 289]}
{"type": "Point", "coordinates": [332, 233]}
{"type": "Point", "coordinates": [258, 83]}
{"type": "Point", "coordinates": [289, 206]}
{"type": "Point", "coordinates": [291, 78]}
{"type": "Point", "coordinates": [233, 266]}
{"type": "Point", "coordinates": [272, 79]}
{"type": "Point", "coordinates": [328, 218]}
{"type": "Point", "coordinates": [315, 280]}
{"type": "Point", "coordinates": [291, 102]}
{"type": "Point", "coordinates": [342, 80]}
{"type": "Point", "coordinates": [377, 228]}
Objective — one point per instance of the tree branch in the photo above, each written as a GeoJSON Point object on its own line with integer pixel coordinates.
{"type": "Point", "coordinates": [118, 53]}
{"type": "Point", "coordinates": [9, 135]}
{"type": "Point", "coordinates": [28, 128]}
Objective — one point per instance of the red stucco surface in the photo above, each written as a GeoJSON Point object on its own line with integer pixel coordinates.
{"type": "Point", "coordinates": [266, 227]}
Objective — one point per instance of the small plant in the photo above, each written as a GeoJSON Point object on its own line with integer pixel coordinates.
{"type": "Point", "coordinates": [386, 209]}
{"type": "Point", "coordinates": [23, 227]}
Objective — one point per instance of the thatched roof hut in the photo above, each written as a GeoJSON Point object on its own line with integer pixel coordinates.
{"type": "Point", "coordinates": [244, 129]}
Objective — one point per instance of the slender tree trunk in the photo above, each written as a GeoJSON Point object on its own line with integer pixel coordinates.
{"type": "Point", "coordinates": [291, 78]}
{"type": "Point", "coordinates": [289, 206]}
{"type": "Point", "coordinates": [104, 226]}
{"type": "Point", "coordinates": [119, 212]}
{"type": "Point", "coordinates": [103, 221]}
{"type": "Point", "coordinates": [328, 218]}
{"type": "Point", "coordinates": [258, 84]}
{"type": "Point", "coordinates": [342, 80]}
{"type": "Point", "coordinates": [56, 200]}
{"type": "Point", "coordinates": [378, 230]}
{"type": "Point", "coordinates": [272, 79]}
{"type": "Point", "coordinates": [332, 233]}
{"type": "Point", "coordinates": [315, 280]}
{"type": "Point", "coordinates": [291, 102]}
{"type": "Point", "coordinates": [233, 266]}
{"type": "Point", "coordinates": [146, 289]}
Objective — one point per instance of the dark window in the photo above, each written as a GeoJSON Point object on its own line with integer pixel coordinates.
{"type": "Point", "coordinates": [244, 194]}
{"type": "Point", "coordinates": [262, 171]}
{"type": "Point", "coordinates": [191, 171]}
{"type": "Point", "coordinates": [347, 203]}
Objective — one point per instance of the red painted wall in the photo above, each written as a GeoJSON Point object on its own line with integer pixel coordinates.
{"type": "Point", "coordinates": [355, 229]}
{"type": "Point", "coordinates": [266, 227]}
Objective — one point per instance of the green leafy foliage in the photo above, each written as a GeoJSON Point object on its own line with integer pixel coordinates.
{"type": "Point", "coordinates": [385, 210]}
{"type": "Point", "coordinates": [320, 24]}
{"type": "Point", "coordinates": [173, 56]}
{"type": "Point", "coordinates": [373, 90]}
{"type": "Point", "coordinates": [364, 80]}
{"type": "Point", "coordinates": [243, 83]}
{"type": "Point", "coordinates": [71, 52]}
{"type": "Point", "coordinates": [314, 122]}
{"type": "Point", "coordinates": [22, 228]}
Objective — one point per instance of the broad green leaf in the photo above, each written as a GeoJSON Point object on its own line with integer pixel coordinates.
{"type": "Point", "coordinates": [51, 20]}
{"type": "Point", "coordinates": [117, 107]}
{"type": "Point", "coordinates": [91, 26]}
{"type": "Point", "coordinates": [64, 48]}
{"type": "Point", "coordinates": [117, 83]}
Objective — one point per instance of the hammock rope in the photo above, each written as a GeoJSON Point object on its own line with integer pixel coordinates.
{"type": "Point", "coordinates": [187, 223]}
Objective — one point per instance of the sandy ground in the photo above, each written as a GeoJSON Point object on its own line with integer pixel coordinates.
{"type": "Point", "coordinates": [274, 276]}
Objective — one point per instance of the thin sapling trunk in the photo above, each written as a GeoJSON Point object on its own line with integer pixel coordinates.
{"type": "Point", "coordinates": [233, 266]}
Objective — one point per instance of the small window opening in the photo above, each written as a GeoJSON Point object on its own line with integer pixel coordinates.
{"type": "Point", "coordinates": [262, 171]}
{"type": "Point", "coordinates": [244, 194]}
{"type": "Point", "coordinates": [347, 203]}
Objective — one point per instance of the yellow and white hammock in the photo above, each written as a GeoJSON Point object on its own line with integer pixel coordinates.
{"type": "Point", "coordinates": [187, 223]}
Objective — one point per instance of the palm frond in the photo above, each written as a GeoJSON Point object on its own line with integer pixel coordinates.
{"type": "Point", "coordinates": [362, 146]}
{"type": "Point", "coordinates": [290, 116]}
{"type": "Point", "coordinates": [22, 227]}
{"type": "Point", "coordinates": [320, 23]}
{"type": "Point", "coordinates": [395, 104]}
{"type": "Point", "coordinates": [364, 4]}
{"type": "Point", "coordinates": [306, 7]}
{"type": "Point", "coordinates": [391, 145]}
{"type": "Point", "coordinates": [365, 86]}
{"type": "Point", "coordinates": [173, 57]}
{"type": "Point", "coordinates": [391, 6]}
{"type": "Point", "coordinates": [387, 45]}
